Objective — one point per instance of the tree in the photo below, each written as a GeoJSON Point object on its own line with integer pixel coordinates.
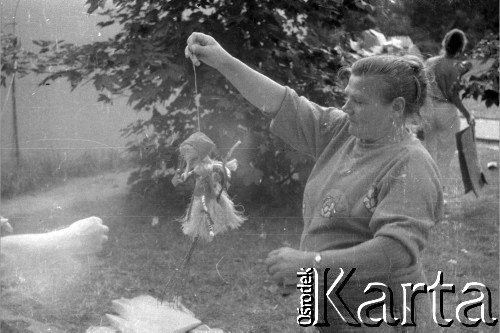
{"type": "Point", "coordinates": [482, 80]}
{"type": "Point", "coordinates": [298, 43]}
{"type": "Point", "coordinates": [11, 68]}
{"type": "Point", "coordinates": [427, 21]}
{"type": "Point", "coordinates": [14, 63]}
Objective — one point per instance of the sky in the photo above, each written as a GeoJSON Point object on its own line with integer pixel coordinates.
{"type": "Point", "coordinates": [53, 19]}
{"type": "Point", "coordinates": [51, 116]}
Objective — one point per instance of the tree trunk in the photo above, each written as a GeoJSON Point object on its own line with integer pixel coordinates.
{"type": "Point", "coordinates": [14, 123]}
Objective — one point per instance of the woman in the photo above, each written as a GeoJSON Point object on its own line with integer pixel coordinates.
{"type": "Point", "coordinates": [441, 119]}
{"type": "Point", "coordinates": [374, 192]}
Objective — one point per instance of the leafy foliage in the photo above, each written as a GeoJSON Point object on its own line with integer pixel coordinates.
{"type": "Point", "coordinates": [427, 21]}
{"type": "Point", "coordinates": [298, 43]}
{"type": "Point", "coordinates": [482, 79]}
{"type": "Point", "coordinates": [14, 59]}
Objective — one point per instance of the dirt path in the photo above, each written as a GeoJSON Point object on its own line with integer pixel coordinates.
{"type": "Point", "coordinates": [78, 198]}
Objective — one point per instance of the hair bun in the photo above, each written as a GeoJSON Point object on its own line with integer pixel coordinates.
{"type": "Point", "coordinates": [415, 63]}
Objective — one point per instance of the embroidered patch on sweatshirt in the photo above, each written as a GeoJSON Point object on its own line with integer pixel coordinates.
{"type": "Point", "coordinates": [334, 204]}
{"type": "Point", "coordinates": [371, 198]}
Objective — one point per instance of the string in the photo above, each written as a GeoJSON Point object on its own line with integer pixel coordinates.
{"type": "Point", "coordinates": [196, 98]}
{"type": "Point", "coordinates": [174, 280]}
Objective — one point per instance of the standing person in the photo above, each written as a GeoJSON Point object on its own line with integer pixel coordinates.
{"type": "Point", "coordinates": [441, 121]}
{"type": "Point", "coordinates": [374, 193]}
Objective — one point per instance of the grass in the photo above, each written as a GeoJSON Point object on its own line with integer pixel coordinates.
{"type": "Point", "coordinates": [480, 110]}
{"type": "Point", "coordinates": [465, 246]}
{"type": "Point", "coordinates": [227, 285]}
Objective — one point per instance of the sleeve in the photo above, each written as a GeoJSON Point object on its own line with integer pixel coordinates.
{"type": "Point", "coordinates": [305, 125]}
{"type": "Point", "coordinates": [373, 259]}
{"type": "Point", "coordinates": [410, 203]}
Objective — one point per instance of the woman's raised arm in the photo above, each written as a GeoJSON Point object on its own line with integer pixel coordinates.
{"type": "Point", "coordinates": [257, 88]}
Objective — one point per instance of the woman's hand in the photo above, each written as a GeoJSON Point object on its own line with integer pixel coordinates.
{"type": "Point", "coordinates": [262, 92]}
{"type": "Point", "coordinates": [85, 236]}
{"type": "Point", "coordinates": [205, 48]}
{"type": "Point", "coordinates": [471, 121]}
{"type": "Point", "coordinates": [284, 263]}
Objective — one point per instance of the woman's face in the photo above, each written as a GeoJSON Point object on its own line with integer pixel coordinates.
{"type": "Point", "coordinates": [370, 117]}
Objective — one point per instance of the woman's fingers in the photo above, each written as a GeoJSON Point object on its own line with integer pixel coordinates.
{"type": "Point", "coordinates": [197, 47]}
{"type": "Point", "coordinates": [274, 271]}
{"type": "Point", "coordinates": [275, 252]}
{"type": "Point", "coordinates": [103, 230]}
{"type": "Point", "coordinates": [274, 262]}
{"type": "Point", "coordinates": [190, 53]}
{"type": "Point", "coordinates": [104, 236]}
{"type": "Point", "coordinates": [199, 38]}
{"type": "Point", "coordinates": [272, 257]}
{"type": "Point", "coordinates": [192, 42]}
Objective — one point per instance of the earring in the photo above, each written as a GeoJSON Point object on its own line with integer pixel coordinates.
{"type": "Point", "coordinates": [398, 131]}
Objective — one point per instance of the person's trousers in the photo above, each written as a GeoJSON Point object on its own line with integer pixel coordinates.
{"type": "Point", "coordinates": [441, 123]}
